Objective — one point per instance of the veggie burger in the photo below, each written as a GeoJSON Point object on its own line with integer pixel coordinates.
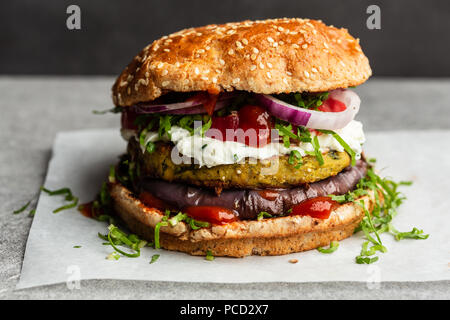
{"type": "Point", "coordinates": [242, 139]}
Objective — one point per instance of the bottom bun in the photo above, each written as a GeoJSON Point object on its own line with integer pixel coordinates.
{"type": "Point", "coordinates": [273, 236]}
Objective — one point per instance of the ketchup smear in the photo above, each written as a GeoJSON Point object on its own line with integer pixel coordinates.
{"type": "Point", "coordinates": [319, 207]}
{"type": "Point", "coordinates": [211, 214]}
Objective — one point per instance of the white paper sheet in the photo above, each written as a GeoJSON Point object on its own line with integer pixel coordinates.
{"type": "Point", "coordinates": [81, 160]}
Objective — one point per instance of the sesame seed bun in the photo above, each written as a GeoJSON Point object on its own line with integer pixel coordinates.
{"type": "Point", "coordinates": [269, 56]}
{"type": "Point", "coordinates": [273, 236]}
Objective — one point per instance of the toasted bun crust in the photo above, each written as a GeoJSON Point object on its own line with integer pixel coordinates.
{"type": "Point", "coordinates": [275, 236]}
{"type": "Point", "coordinates": [269, 56]}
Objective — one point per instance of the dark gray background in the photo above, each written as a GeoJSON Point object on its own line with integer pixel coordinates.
{"type": "Point", "coordinates": [413, 40]}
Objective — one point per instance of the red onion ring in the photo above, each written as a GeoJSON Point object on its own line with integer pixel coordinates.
{"type": "Point", "coordinates": [315, 119]}
{"type": "Point", "coordinates": [187, 107]}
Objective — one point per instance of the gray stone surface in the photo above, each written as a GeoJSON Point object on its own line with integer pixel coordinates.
{"type": "Point", "coordinates": [33, 110]}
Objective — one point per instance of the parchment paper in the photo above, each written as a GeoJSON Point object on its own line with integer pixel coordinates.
{"type": "Point", "coordinates": [81, 160]}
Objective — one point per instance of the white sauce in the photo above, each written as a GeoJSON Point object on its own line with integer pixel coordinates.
{"type": "Point", "coordinates": [211, 152]}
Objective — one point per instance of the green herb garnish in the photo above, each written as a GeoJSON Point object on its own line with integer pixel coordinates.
{"type": "Point", "coordinates": [263, 215]}
{"type": "Point", "coordinates": [23, 208]}
{"type": "Point", "coordinates": [68, 197]}
{"type": "Point", "coordinates": [343, 144]}
{"type": "Point", "coordinates": [333, 247]}
{"type": "Point", "coordinates": [209, 255]}
{"type": "Point", "coordinates": [154, 258]}
{"type": "Point", "coordinates": [380, 219]}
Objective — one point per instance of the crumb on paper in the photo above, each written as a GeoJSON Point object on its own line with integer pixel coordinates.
{"type": "Point", "coordinates": [293, 260]}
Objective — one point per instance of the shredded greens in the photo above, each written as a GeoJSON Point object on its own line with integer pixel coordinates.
{"type": "Point", "coordinates": [154, 258]}
{"type": "Point", "coordinates": [387, 200]}
{"type": "Point", "coordinates": [209, 255]}
{"type": "Point", "coordinates": [263, 214]}
{"type": "Point", "coordinates": [68, 197]}
{"type": "Point", "coordinates": [22, 209]}
{"type": "Point", "coordinates": [304, 100]}
{"type": "Point", "coordinates": [333, 247]}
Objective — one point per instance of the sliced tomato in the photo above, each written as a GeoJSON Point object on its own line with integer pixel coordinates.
{"type": "Point", "coordinates": [332, 105]}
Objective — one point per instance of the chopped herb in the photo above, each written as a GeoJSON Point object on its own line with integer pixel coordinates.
{"type": "Point", "coordinates": [77, 247]}
{"type": "Point", "coordinates": [343, 144]}
{"type": "Point", "coordinates": [263, 215]}
{"type": "Point", "coordinates": [23, 208]}
{"type": "Point", "coordinates": [235, 157]}
{"type": "Point", "coordinates": [304, 100]}
{"type": "Point", "coordinates": [209, 255]}
{"type": "Point", "coordinates": [333, 247]}
{"type": "Point", "coordinates": [69, 197]}
{"type": "Point", "coordinates": [380, 219]}
{"type": "Point", "coordinates": [113, 256]}
{"type": "Point", "coordinates": [115, 234]}
{"type": "Point", "coordinates": [295, 159]}
{"type": "Point", "coordinates": [204, 146]}
{"type": "Point", "coordinates": [154, 258]}
{"type": "Point", "coordinates": [317, 152]}
{"type": "Point", "coordinates": [32, 212]}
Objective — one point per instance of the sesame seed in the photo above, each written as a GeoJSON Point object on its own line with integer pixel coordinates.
{"type": "Point", "coordinates": [342, 63]}
{"type": "Point", "coordinates": [177, 64]}
{"type": "Point", "coordinates": [269, 75]}
{"type": "Point", "coordinates": [244, 41]}
{"type": "Point", "coordinates": [165, 83]}
{"type": "Point", "coordinates": [270, 39]}
{"type": "Point", "coordinates": [236, 80]}
{"type": "Point", "coordinates": [269, 65]}
{"type": "Point", "coordinates": [289, 73]}
{"type": "Point", "coordinates": [261, 65]}
{"type": "Point", "coordinates": [325, 45]}
{"type": "Point", "coordinates": [305, 46]}
{"type": "Point", "coordinates": [205, 78]}
{"type": "Point", "coordinates": [222, 62]}
{"type": "Point", "coordinates": [201, 50]}
{"type": "Point", "coordinates": [314, 70]}
{"type": "Point", "coordinates": [306, 74]}
{"type": "Point", "coordinates": [207, 48]}
{"type": "Point", "coordinates": [160, 65]}
{"type": "Point", "coordinates": [164, 72]}
{"type": "Point", "coordinates": [239, 45]}
{"type": "Point", "coordinates": [285, 81]}
{"type": "Point", "coordinates": [196, 70]}
{"type": "Point", "coordinates": [206, 71]}
{"type": "Point", "coordinates": [280, 29]}
{"type": "Point", "coordinates": [123, 83]}
{"type": "Point", "coordinates": [143, 82]}
{"type": "Point", "coordinates": [255, 50]}
{"type": "Point", "coordinates": [252, 67]}
{"type": "Point", "coordinates": [167, 50]}
{"type": "Point", "coordinates": [214, 80]}
{"type": "Point", "coordinates": [186, 81]}
{"type": "Point", "coordinates": [281, 43]}
{"type": "Point", "coordinates": [275, 44]}
{"type": "Point", "coordinates": [231, 52]}
{"type": "Point", "coordinates": [295, 46]}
